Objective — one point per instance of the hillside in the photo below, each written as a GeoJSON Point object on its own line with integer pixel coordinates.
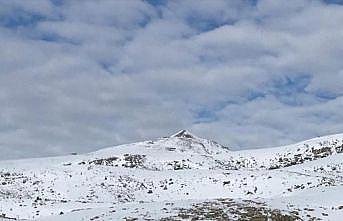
{"type": "Point", "coordinates": [178, 178]}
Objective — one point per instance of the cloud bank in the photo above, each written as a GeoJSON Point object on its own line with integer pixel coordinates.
{"type": "Point", "coordinates": [80, 75]}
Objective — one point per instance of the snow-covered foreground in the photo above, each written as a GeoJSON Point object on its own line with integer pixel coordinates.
{"type": "Point", "coordinates": [181, 177]}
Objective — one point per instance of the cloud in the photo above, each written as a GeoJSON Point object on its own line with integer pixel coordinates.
{"type": "Point", "coordinates": [78, 76]}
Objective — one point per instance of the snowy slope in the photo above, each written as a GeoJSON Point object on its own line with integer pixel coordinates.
{"type": "Point", "coordinates": [179, 177]}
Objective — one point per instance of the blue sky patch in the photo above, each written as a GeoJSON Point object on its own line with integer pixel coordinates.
{"type": "Point", "coordinates": [19, 18]}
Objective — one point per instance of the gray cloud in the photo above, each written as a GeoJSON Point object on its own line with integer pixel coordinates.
{"type": "Point", "coordinates": [79, 76]}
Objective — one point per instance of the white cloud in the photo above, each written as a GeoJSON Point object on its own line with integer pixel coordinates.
{"type": "Point", "coordinates": [95, 73]}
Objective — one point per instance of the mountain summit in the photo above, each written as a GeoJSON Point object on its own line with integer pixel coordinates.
{"type": "Point", "coordinates": [183, 134]}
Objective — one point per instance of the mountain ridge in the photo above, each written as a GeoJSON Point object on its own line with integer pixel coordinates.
{"type": "Point", "coordinates": [178, 176]}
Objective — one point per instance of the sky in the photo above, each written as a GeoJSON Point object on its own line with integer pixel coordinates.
{"type": "Point", "coordinates": [77, 76]}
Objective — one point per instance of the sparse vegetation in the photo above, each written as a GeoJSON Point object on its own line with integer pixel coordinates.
{"type": "Point", "coordinates": [228, 209]}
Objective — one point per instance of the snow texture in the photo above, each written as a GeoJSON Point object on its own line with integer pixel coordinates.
{"type": "Point", "coordinates": [181, 177]}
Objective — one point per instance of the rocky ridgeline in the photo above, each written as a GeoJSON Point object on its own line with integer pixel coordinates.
{"type": "Point", "coordinates": [304, 153]}
{"type": "Point", "coordinates": [311, 153]}
{"type": "Point", "coordinates": [219, 157]}
{"type": "Point", "coordinates": [127, 160]}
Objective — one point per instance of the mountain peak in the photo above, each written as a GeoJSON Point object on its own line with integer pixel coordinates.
{"type": "Point", "coordinates": [183, 134]}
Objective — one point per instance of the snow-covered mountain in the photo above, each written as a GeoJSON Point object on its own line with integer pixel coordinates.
{"type": "Point", "coordinates": [181, 177]}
